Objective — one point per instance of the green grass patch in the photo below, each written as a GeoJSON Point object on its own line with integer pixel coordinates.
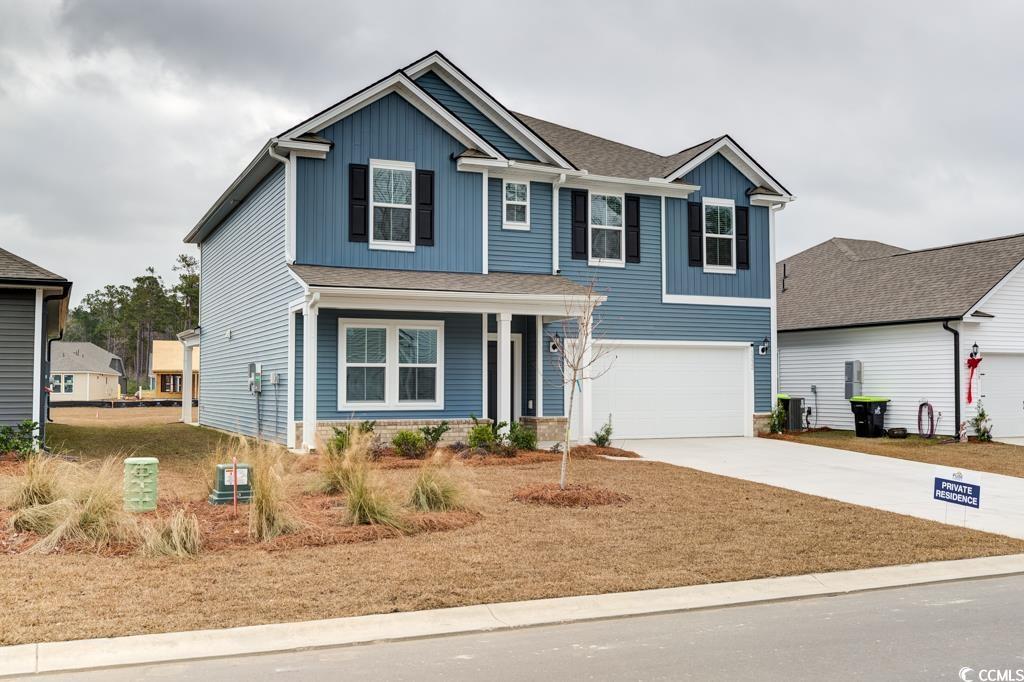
{"type": "Point", "coordinates": [167, 441]}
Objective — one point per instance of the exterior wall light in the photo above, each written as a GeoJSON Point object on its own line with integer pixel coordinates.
{"type": "Point", "coordinates": [974, 351]}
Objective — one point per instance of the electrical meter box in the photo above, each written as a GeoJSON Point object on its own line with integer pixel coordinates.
{"type": "Point", "coordinates": [255, 377]}
{"type": "Point", "coordinates": [224, 486]}
{"type": "Point", "coordinates": [140, 483]}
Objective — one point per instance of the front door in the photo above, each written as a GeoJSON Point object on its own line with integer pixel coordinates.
{"type": "Point", "coordinates": [492, 381]}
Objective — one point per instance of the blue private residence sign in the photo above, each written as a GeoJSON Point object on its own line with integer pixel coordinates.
{"type": "Point", "coordinates": [955, 490]}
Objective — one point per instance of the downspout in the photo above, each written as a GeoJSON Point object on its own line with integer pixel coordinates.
{"type": "Point", "coordinates": [289, 191]}
{"type": "Point", "coordinates": [956, 375]}
{"type": "Point", "coordinates": [64, 294]}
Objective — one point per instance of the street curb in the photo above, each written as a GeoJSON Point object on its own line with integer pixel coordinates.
{"type": "Point", "coordinates": [27, 659]}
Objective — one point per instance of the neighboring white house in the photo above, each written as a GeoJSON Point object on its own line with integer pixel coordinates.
{"type": "Point", "coordinates": [912, 320]}
{"type": "Point", "coordinates": [81, 371]}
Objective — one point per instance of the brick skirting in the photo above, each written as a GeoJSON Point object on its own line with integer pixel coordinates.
{"type": "Point", "coordinates": [546, 428]}
{"type": "Point", "coordinates": [387, 428]}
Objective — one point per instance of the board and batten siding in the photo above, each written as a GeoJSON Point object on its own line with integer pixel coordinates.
{"type": "Point", "coordinates": [463, 365]}
{"type": "Point", "coordinates": [1003, 333]}
{"type": "Point", "coordinates": [389, 129]}
{"type": "Point", "coordinates": [718, 179]}
{"type": "Point", "coordinates": [520, 250]}
{"type": "Point", "coordinates": [18, 372]}
{"type": "Point", "coordinates": [245, 289]}
{"type": "Point", "coordinates": [473, 117]}
{"type": "Point", "coordinates": [906, 363]}
{"type": "Point", "coordinates": [634, 309]}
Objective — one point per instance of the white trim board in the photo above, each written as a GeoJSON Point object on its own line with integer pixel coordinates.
{"type": "Point", "coordinates": [555, 306]}
{"type": "Point", "coordinates": [402, 85]}
{"type": "Point", "coordinates": [737, 301]}
{"type": "Point", "coordinates": [490, 107]}
{"type": "Point", "coordinates": [37, 362]}
{"type": "Point", "coordinates": [743, 162]}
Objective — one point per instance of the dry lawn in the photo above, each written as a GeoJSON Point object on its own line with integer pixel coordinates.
{"type": "Point", "coordinates": [995, 458]}
{"type": "Point", "coordinates": [680, 527]}
{"type": "Point", "coordinates": [117, 416]}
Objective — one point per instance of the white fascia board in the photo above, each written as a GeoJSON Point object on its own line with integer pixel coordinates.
{"type": "Point", "coordinates": [746, 165]}
{"type": "Point", "coordinates": [576, 179]}
{"type": "Point", "coordinates": [988, 295]}
{"type": "Point", "coordinates": [498, 114]}
{"type": "Point", "coordinates": [448, 301]}
{"type": "Point", "coordinates": [735, 301]}
{"type": "Point", "coordinates": [402, 85]}
{"type": "Point", "coordinates": [315, 150]}
{"type": "Point", "coordinates": [672, 343]}
{"type": "Point", "coordinates": [770, 200]}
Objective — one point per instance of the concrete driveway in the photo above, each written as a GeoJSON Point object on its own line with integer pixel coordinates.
{"type": "Point", "coordinates": [886, 483]}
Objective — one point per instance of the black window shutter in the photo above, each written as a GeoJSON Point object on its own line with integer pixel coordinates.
{"type": "Point", "coordinates": [425, 207]}
{"type": "Point", "coordinates": [579, 224]}
{"type": "Point", "coordinates": [358, 202]}
{"type": "Point", "coordinates": [742, 237]}
{"type": "Point", "coordinates": [632, 228]}
{"type": "Point", "coordinates": [695, 241]}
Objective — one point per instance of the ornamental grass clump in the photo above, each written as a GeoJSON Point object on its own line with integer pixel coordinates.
{"type": "Point", "coordinates": [91, 513]}
{"type": "Point", "coordinates": [178, 536]}
{"type": "Point", "coordinates": [435, 491]}
{"type": "Point", "coordinates": [41, 483]}
{"type": "Point", "coordinates": [270, 514]}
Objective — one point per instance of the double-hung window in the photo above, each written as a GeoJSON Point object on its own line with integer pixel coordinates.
{"type": "Point", "coordinates": [392, 198]}
{"type": "Point", "coordinates": [719, 235]}
{"type": "Point", "coordinates": [391, 365]}
{"type": "Point", "coordinates": [516, 202]}
{"type": "Point", "coordinates": [62, 383]}
{"type": "Point", "coordinates": [607, 233]}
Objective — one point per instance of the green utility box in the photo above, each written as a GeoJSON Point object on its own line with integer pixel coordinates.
{"type": "Point", "coordinates": [140, 483]}
{"type": "Point", "coordinates": [224, 486]}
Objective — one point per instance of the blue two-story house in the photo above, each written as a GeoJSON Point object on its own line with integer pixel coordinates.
{"type": "Point", "coordinates": [411, 253]}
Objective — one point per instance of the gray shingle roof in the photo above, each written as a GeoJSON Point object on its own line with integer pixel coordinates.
{"type": "Point", "coordinates": [492, 283]}
{"type": "Point", "coordinates": [15, 267]}
{"type": "Point", "coordinates": [853, 282]}
{"type": "Point", "coordinates": [601, 156]}
{"type": "Point", "coordinates": [80, 356]}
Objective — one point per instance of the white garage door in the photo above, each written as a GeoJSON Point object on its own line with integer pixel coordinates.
{"type": "Point", "coordinates": [1001, 388]}
{"type": "Point", "coordinates": [672, 391]}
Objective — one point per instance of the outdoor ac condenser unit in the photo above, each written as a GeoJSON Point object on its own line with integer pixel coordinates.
{"type": "Point", "coordinates": [854, 379]}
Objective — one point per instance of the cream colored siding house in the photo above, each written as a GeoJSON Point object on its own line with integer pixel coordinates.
{"type": "Point", "coordinates": [912, 318]}
{"type": "Point", "coordinates": [81, 371]}
{"type": "Point", "coordinates": [165, 374]}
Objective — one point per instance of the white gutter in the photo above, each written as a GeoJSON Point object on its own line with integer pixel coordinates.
{"type": "Point", "coordinates": [555, 186]}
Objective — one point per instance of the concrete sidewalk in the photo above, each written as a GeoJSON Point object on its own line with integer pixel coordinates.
{"type": "Point", "coordinates": [140, 649]}
{"type": "Point", "coordinates": [887, 483]}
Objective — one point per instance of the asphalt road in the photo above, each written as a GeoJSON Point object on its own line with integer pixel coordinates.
{"type": "Point", "coordinates": [927, 632]}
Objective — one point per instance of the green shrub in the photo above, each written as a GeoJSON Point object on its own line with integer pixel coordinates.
{"type": "Point", "coordinates": [482, 436]}
{"type": "Point", "coordinates": [410, 444]}
{"type": "Point", "coordinates": [521, 438]}
{"type": "Point", "coordinates": [435, 491]}
{"type": "Point", "coordinates": [777, 421]}
{"type": "Point", "coordinates": [340, 440]}
{"type": "Point", "coordinates": [434, 434]}
{"type": "Point", "coordinates": [20, 439]}
{"type": "Point", "coordinates": [603, 437]}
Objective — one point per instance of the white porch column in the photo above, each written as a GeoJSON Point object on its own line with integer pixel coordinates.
{"type": "Point", "coordinates": [310, 312]}
{"type": "Point", "coordinates": [504, 378]}
{"type": "Point", "coordinates": [186, 383]}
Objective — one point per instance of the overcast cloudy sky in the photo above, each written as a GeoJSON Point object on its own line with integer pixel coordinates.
{"type": "Point", "coordinates": [123, 121]}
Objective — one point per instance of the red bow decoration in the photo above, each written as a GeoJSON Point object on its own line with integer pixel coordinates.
{"type": "Point", "coordinates": [972, 364]}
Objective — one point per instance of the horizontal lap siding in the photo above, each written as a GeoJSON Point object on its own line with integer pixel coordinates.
{"type": "Point", "coordinates": [520, 250]}
{"type": "Point", "coordinates": [463, 363]}
{"type": "Point", "coordinates": [389, 129]}
{"type": "Point", "coordinates": [17, 355]}
{"type": "Point", "coordinates": [634, 309]}
{"type": "Point", "coordinates": [721, 180]}
{"type": "Point", "coordinates": [472, 117]}
{"type": "Point", "coordinates": [245, 289]}
{"type": "Point", "coordinates": [905, 363]}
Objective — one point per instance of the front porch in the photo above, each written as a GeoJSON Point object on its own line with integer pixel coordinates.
{"type": "Point", "coordinates": [405, 358]}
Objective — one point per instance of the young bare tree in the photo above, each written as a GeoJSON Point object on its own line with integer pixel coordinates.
{"type": "Point", "coordinates": [579, 358]}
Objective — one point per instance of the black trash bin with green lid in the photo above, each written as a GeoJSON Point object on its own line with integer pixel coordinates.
{"type": "Point", "coordinates": [869, 415]}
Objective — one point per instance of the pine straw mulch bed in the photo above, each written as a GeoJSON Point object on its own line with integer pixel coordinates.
{"type": "Point", "coordinates": [667, 535]}
{"type": "Point", "coordinates": [471, 458]}
{"type": "Point", "coordinates": [574, 495]}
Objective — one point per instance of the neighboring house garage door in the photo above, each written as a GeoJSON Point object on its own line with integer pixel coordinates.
{"type": "Point", "coordinates": [1001, 389]}
{"type": "Point", "coordinates": [673, 391]}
